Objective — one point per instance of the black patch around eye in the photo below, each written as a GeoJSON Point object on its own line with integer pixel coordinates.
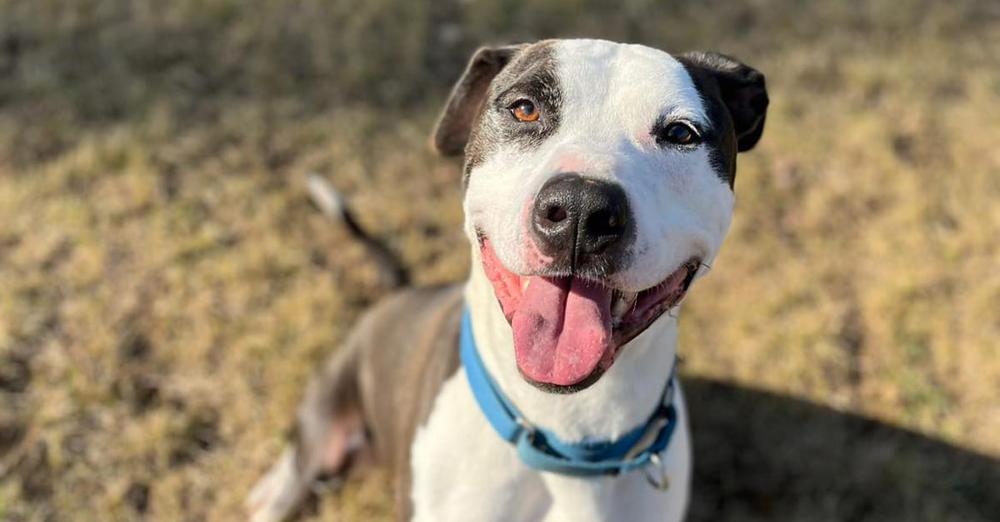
{"type": "Point", "coordinates": [538, 87]}
{"type": "Point", "coordinates": [531, 75]}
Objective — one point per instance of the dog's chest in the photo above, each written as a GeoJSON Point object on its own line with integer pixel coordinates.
{"type": "Point", "coordinates": [462, 470]}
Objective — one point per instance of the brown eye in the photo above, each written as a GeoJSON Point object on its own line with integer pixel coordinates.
{"type": "Point", "coordinates": [678, 133]}
{"type": "Point", "coordinates": [524, 111]}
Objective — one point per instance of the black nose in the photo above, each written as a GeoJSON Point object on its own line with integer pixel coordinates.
{"type": "Point", "coordinates": [579, 220]}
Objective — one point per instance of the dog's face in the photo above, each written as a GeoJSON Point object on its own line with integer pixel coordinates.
{"type": "Point", "coordinates": [599, 179]}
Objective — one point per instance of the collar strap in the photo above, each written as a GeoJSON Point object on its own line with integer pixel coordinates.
{"type": "Point", "coordinates": [540, 449]}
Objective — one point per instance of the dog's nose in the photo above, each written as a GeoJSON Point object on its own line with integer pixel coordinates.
{"type": "Point", "coordinates": [576, 218]}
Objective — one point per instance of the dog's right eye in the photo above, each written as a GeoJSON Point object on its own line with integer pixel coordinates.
{"type": "Point", "coordinates": [524, 110]}
{"type": "Point", "coordinates": [677, 133]}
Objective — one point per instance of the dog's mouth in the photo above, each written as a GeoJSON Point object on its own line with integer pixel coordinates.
{"type": "Point", "coordinates": [568, 330]}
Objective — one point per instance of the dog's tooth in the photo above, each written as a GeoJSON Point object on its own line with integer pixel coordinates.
{"type": "Point", "coordinates": [629, 297]}
{"type": "Point", "coordinates": [524, 283]}
{"type": "Point", "coordinates": [619, 308]}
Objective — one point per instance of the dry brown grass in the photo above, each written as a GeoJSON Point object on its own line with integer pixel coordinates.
{"type": "Point", "coordinates": [165, 290]}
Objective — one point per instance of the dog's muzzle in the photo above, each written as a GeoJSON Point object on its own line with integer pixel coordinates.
{"type": "Point", "coordinates": [584, 225]}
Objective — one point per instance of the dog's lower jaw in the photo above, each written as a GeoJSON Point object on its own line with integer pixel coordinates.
{"type": "Point", "coordinates": [634, 383]}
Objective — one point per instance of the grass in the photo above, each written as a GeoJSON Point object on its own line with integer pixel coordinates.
{"type": "Point", "coordinates": [165, 289]}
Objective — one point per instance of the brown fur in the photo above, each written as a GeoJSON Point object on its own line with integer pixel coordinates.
{"type": "Point", "coordinates": [390, 371]}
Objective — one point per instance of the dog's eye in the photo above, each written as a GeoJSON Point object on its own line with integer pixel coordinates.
{"type": "Point", "coordinates": [524, 111]}
{"type": "Point", "coordinates": [677, 133]}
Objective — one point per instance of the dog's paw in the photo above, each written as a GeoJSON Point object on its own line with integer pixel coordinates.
{"type": "Point", "coordinates": [278, 493]}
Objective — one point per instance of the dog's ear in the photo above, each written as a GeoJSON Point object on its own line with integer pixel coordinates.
{"type": "Point", "coordinates": [467, 97]}
{"type": "Point", "coordinates": [740, 87]}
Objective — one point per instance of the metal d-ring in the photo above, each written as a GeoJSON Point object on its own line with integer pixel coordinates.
{"type": "Point", "coordinates": [663, 482]}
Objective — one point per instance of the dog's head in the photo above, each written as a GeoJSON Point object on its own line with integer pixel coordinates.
{"type": "Point", "coordinates": [599, 178]}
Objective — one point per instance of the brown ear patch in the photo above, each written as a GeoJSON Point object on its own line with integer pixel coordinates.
{"type": "Point", "coordinates": [467, 97]}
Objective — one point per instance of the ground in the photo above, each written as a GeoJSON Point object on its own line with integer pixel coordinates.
{"type": "Point", "coordinates": [166, 288]}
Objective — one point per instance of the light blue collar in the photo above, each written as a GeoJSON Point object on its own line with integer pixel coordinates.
{"type": "Point", "coordinates": [540, 449]}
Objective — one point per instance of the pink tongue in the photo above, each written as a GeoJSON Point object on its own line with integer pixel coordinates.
{"type": "Point", "coordinates": [562, 330]}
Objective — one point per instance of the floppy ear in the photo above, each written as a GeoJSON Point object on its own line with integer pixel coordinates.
{"type": "Point", "coordinates": [741, 89]}
{"type": "Point", "coordinates": [467, 97]}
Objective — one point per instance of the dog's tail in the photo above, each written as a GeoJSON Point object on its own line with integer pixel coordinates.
{"type": "Point", "coordinates": [333, 205]}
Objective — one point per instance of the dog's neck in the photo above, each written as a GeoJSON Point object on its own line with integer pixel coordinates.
{"type": "Point", "coordinates": [620, 400]}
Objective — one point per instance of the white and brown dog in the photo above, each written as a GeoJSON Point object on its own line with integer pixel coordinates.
{"type": "Point", "coordinates": [598, 185]}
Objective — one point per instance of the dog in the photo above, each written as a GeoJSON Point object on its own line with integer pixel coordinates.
{"type": "Point", "coordinates": [598, 186]}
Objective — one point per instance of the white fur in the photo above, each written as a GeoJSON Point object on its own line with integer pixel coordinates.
{"type": "Point", "coordinates": [612, 95]}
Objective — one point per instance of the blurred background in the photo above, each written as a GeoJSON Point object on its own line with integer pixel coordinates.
{"type": "Point", "coordinates": [166, 288]}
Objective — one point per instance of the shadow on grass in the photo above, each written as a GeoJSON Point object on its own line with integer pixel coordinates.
{"type": "Point", "coordinates": [762, 456]}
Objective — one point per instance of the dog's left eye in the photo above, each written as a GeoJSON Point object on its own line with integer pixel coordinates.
{"type": "Point", "coordinates": [524, 110]}
{"type": "Point", "coordinates": [677, 133]}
